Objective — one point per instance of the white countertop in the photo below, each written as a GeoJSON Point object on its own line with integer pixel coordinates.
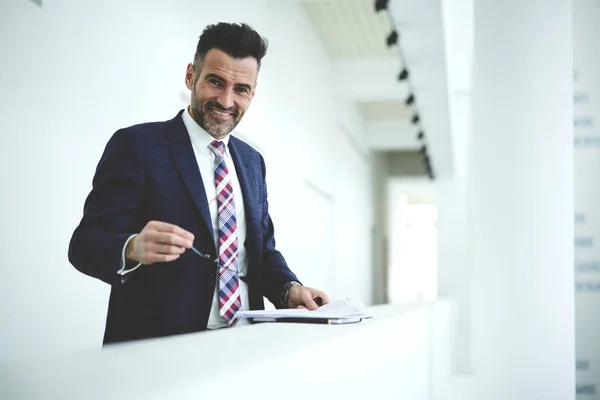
{"type": "Point", "coordinates": [269, 360]}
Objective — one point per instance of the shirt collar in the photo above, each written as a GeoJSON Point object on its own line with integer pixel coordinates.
{"type": "Point", "coordinates": [198, 135]}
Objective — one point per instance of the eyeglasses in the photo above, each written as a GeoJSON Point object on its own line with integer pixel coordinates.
{"type": "Point", "coordinates": [208, 257]}
{"type": "Point", "coordinates": [216, 261]}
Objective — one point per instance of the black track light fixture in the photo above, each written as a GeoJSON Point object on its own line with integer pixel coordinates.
{"type": "Point", "coordinates": [392, 38]}
{"type": "Point", "coordinates": [410, 99]}
{"type": "Point", "coordinates": [403, 74]}
{"type": "Point", "coordinates": [381, 5]}
{"type": "Point", "coordinates": [420, 135]}
{"type": "Point", "coordinates": [428, 169]}
{"type": "Point", "coordinates": [416, 119]}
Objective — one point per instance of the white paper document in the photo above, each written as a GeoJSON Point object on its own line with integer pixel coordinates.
{"type": "Point", "coordinates": [343, 308]}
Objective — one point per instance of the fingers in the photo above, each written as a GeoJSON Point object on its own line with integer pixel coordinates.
{"type": "Point", "coordinates": [159, 242]}
{"type": "Point", "coordinates": [304, 297]}
{"type": "Point", "coordinates": [156, 252]}
{"type": "Point", "coordinates": [165, 249]}
{"type": "Point", "coordinates": [170, 239]}
{"type": "Point", "coordinates": [172, 231]}
{"type": "Point", "coordinates": [323, 297]}
{"type": "Point", "coordinates": [155, 257]}
{"type": "Point", "coordinates": [308, 301]}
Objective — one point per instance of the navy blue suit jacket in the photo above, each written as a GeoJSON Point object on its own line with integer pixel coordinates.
{"type": "Point", "coordinates": [149, 172]}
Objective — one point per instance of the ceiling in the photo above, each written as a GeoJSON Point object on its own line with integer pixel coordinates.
{"type": "Point", "coordinates": [366, 70]}
{"type": "Point", "coordinates": [384, 109]}
{"type": "Point", "coordinates": [350, 29]}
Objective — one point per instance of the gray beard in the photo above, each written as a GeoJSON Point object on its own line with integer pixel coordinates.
{"type": "Point", "coordinates": [215, 129]}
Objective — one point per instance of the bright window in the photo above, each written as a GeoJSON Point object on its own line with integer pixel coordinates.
{"type": "Point", "coordinates": [412, 251]}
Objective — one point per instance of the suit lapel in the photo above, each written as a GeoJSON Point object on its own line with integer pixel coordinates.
{"type": "Point", "coordinates": [180, 148]}
{"type": "Point", "coordinates": [243, 168]}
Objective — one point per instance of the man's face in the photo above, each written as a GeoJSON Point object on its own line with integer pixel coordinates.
{"type": "Point", "coordinates": [222, 89]}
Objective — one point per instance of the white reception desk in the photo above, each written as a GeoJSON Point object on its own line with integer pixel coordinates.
{"type": "Point", "coordinates": [389, 356]}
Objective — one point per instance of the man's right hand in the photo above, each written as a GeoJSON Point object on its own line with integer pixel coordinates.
{"type": "Point", "coordinates": [158, 242]}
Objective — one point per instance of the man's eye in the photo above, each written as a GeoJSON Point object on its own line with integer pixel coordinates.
{"type": "Point", "coordinates": [215, 82]}
{"type": "Point", "coordinates": [242, 90]}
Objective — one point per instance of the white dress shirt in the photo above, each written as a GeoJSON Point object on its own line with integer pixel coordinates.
{"type": "Point", "coordinates": [205, 157]}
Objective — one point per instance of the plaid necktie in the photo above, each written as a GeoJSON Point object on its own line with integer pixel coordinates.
{"type": "Point", "coordinates": [229, 293]}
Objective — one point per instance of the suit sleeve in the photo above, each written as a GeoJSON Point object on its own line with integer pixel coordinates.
{"type": "Point", "coordinates": [275, 270]}
{"type": "Point", "coordinates": [111, 210]}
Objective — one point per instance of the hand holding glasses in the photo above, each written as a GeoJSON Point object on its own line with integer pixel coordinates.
{"type": "Point", "coordinates": [208, 257]}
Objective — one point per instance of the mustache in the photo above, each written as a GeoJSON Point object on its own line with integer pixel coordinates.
{"type": "Point", "coordinates": [216, 105]}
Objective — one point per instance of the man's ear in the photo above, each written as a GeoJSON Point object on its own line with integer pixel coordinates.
{"type": "Point", "coordinates": [190, 76]}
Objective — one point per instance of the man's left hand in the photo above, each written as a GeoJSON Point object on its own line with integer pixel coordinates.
{"type": "Point", "coordinates": [303, 297]}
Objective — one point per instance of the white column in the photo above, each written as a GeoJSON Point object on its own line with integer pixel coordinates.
{"type": "Point", "coordinates": [521, 201]}
{"type": "Point", "coordinates": [586, 98]}
{"type": "Point", "coordinates": [454, 278]}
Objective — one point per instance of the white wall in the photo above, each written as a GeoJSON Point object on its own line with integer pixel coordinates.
{"type": "Point", "coordinates": [453, 203]}
{"type": "Point", "coordinates": [586, 94]}
{"type": "Point", "coordinates": [392, 134]}
{"type": "Point", "coordinates": [74, 72]}
{"type": "Point", "coordinates": [520, 192]}
{"type": "Point", "coordinates": [505, 216]}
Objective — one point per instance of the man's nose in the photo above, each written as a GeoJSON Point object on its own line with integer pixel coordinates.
{"type": "Point", "coordinates": [226, 99]}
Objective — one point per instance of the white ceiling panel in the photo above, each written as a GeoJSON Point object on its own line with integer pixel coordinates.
{"type": "Point", "coordinates": [385, 110]}
{"type": "Point", "coordinates": [351, 29]}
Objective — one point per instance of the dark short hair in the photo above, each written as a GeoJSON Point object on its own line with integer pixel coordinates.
{"type": "Point", "coordinates": [237, 40]}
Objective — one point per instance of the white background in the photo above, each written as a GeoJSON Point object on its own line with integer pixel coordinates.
{"type": "Point", "coordinates": [586, 87]}
{"type": "Point", "coordinates": [74, 72]}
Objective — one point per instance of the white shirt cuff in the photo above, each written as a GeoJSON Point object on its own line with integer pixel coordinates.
{"type": "Point", "coordinates": [124, 271]}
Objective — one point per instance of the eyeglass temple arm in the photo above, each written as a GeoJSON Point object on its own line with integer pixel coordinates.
{"type": "Point", "coordinates": [201, 254]}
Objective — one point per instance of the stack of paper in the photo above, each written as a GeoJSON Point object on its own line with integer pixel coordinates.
{"type": "Point", "coordinates": [346, 308]}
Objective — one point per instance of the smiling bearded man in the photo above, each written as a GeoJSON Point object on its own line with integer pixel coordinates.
{"type": "Point", "coordinates": [164, 188]}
